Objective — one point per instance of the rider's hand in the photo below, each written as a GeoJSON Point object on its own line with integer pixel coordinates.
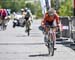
{"type": "Point", "coordinates": [43, 25]}
{"type": "Point", "coordinates": [60, 27]}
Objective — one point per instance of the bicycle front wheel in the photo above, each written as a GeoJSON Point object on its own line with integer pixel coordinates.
{"type": "Point", "coordinates": [3, 25]}
{"type": "Point", "coordinates": [51, 48]}
{"type": "Point", "coordinates": [27, 27]}
{"type": "Point", "coordinates": [28, 31]}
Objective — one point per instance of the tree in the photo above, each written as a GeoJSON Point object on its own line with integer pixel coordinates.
{"type": "Point", "coordinates": [31, 7]}
{"type": "Point", "coordinates": [66, 8]}
{"type": "Point", "coordinates": [14, 5]}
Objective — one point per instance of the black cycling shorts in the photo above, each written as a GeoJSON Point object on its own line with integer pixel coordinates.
{"type": "Point", "coordinates": [27, 18]}
{"type": "Point", "coordinates": [49, 23]}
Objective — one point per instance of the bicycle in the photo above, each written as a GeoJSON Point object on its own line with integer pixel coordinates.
{"type": "Point", "coordinates": [3, 24]}
{"type": "Point", "coordinates": [28, 27]}
{"type": "Point", "coordinates": [49, 39]}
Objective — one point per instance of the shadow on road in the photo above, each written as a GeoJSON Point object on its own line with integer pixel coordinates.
{"type": "Point", "coordinates": [21, 43]}
{"type": "Point", "coordinates": [21, 36]}
{"type": "Point", "coordinates": [67, 43]}
{"type": "Point", "coordinates": [36, 55]}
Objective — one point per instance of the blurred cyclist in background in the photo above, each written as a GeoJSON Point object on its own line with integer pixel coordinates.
{"type": "Point", "coordinates": [28, 16]}
{"type": "Point", "coordinates": [3, 17]}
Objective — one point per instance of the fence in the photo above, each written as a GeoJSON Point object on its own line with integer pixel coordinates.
{"type": "Point", "coordinates": [66, 27]}
{"type": "Point", "coordinates": [73, 28]}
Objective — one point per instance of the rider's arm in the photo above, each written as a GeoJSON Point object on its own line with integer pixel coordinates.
{"type": "Point", "coordinates": [58, 23]}
{"type": "Point", "coordinates": [57, 19]}
{"type": "Point", "coordinates": [45, 18]}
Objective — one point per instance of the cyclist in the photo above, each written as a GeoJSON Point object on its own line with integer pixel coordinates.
{"type": "Point", "coordinates": [28, 16]}
{"type": "Point", "coordinates": [51, 18]}
{"type": "Point", "coordinates": [0, 16]}
{"type": "Point", "coordinates": [3, 14]}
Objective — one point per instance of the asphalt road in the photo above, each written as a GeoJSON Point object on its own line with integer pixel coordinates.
{"type": "Point", "coordinates": [16, 45]}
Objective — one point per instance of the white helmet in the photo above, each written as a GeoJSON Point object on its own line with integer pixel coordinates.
{"type": "Point", "coordinates": [22, 9]}
{"type": "Point", "coordinates": [26, 9]}
{"type": "Point", "coordinates": [51, 12]}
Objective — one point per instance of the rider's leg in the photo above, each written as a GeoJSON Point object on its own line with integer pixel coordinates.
{"type": "Point", "coordinates": [46, 29]}
{"type": "Point", "coordinates": [54, 37]}
{"type": "Point", "coordinates": [54, 32]}
{"type": "Point", "coordinates": [29, 24]}
{"type": "Point", "coordinates": [3, 22]}
{"type": "Point", "coordinates": [26, 19]}
{"type": "Point", "coordinates": [46, 36]}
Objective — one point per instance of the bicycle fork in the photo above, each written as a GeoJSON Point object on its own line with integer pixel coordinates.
{"type": "Point", "coordinates": [52, 36]}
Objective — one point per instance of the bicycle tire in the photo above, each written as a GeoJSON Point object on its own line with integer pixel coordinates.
{"type": "Point", "coordinates": [48, 49]}
{"type": "Point", "coordinates": [28, 31]}
{"type": "Point", "coordinates": [50, 42]}
{"type": "Point", "coordinates": [51, 48]}
{"type": "Point", "coordinates": [3, 25]}
{"type": "Point", "coordinates": [27, 26]}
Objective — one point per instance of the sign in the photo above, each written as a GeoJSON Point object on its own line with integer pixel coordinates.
{"type": "Point", "coordinates": [65, 27]}
{"type": "Point", "coordinates": [43, 6]}
{"type": "Point", "coordinates": [48, 4]}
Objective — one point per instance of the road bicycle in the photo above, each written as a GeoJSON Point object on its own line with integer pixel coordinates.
{"type": "Point", "coordinates": [28, 27]}
{"type": "Point", "coordinates": [3, 25]}
{"type": "Point", "coordinates": [49, 40]}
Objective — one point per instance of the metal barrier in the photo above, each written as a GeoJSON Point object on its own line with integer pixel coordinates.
{"type": "Point", "coordinates": [73, 28]}
{"type": "Point", "coordinates": [66, 27]}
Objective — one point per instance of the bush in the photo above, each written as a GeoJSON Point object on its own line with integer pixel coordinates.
{"type": "Point", "coordinates": [31, 7]}
{"type": "Point", "coordinates": [66, 8]}
{"type": "Point", "coordinates": [39, 13]}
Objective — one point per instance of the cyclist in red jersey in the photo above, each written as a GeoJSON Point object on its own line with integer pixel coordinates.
{"type": "Point", "coordinates": [51, 18]}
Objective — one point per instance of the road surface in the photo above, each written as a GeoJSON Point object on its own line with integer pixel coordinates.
{"type": "Point", "coordinates": [16, 45]}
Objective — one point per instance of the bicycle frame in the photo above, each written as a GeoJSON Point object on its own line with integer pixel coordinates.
{"type": "Point", "coordinates": [50, 41]}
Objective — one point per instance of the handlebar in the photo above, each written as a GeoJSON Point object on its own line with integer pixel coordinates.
{"type": "Point", "coordinates": [51, 26]}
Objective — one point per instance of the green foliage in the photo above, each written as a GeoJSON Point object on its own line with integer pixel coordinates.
{"type": "Point", "coordinates": [39, 13]}
{"type": "Point", "coordinates": [14, 5]}
{"type": "Point", "coordinates": [31, 7]}
{"type": "Point", "coordinates": [66, 8]}
{"type": "Point", "coordinates": [35, 8]}
{"type": "Point", "coordinates": [52, 3]}
{"type": "Point", "coordinates": [38, 10]}
{"type": "Point", "coordinates": [0, 6]}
